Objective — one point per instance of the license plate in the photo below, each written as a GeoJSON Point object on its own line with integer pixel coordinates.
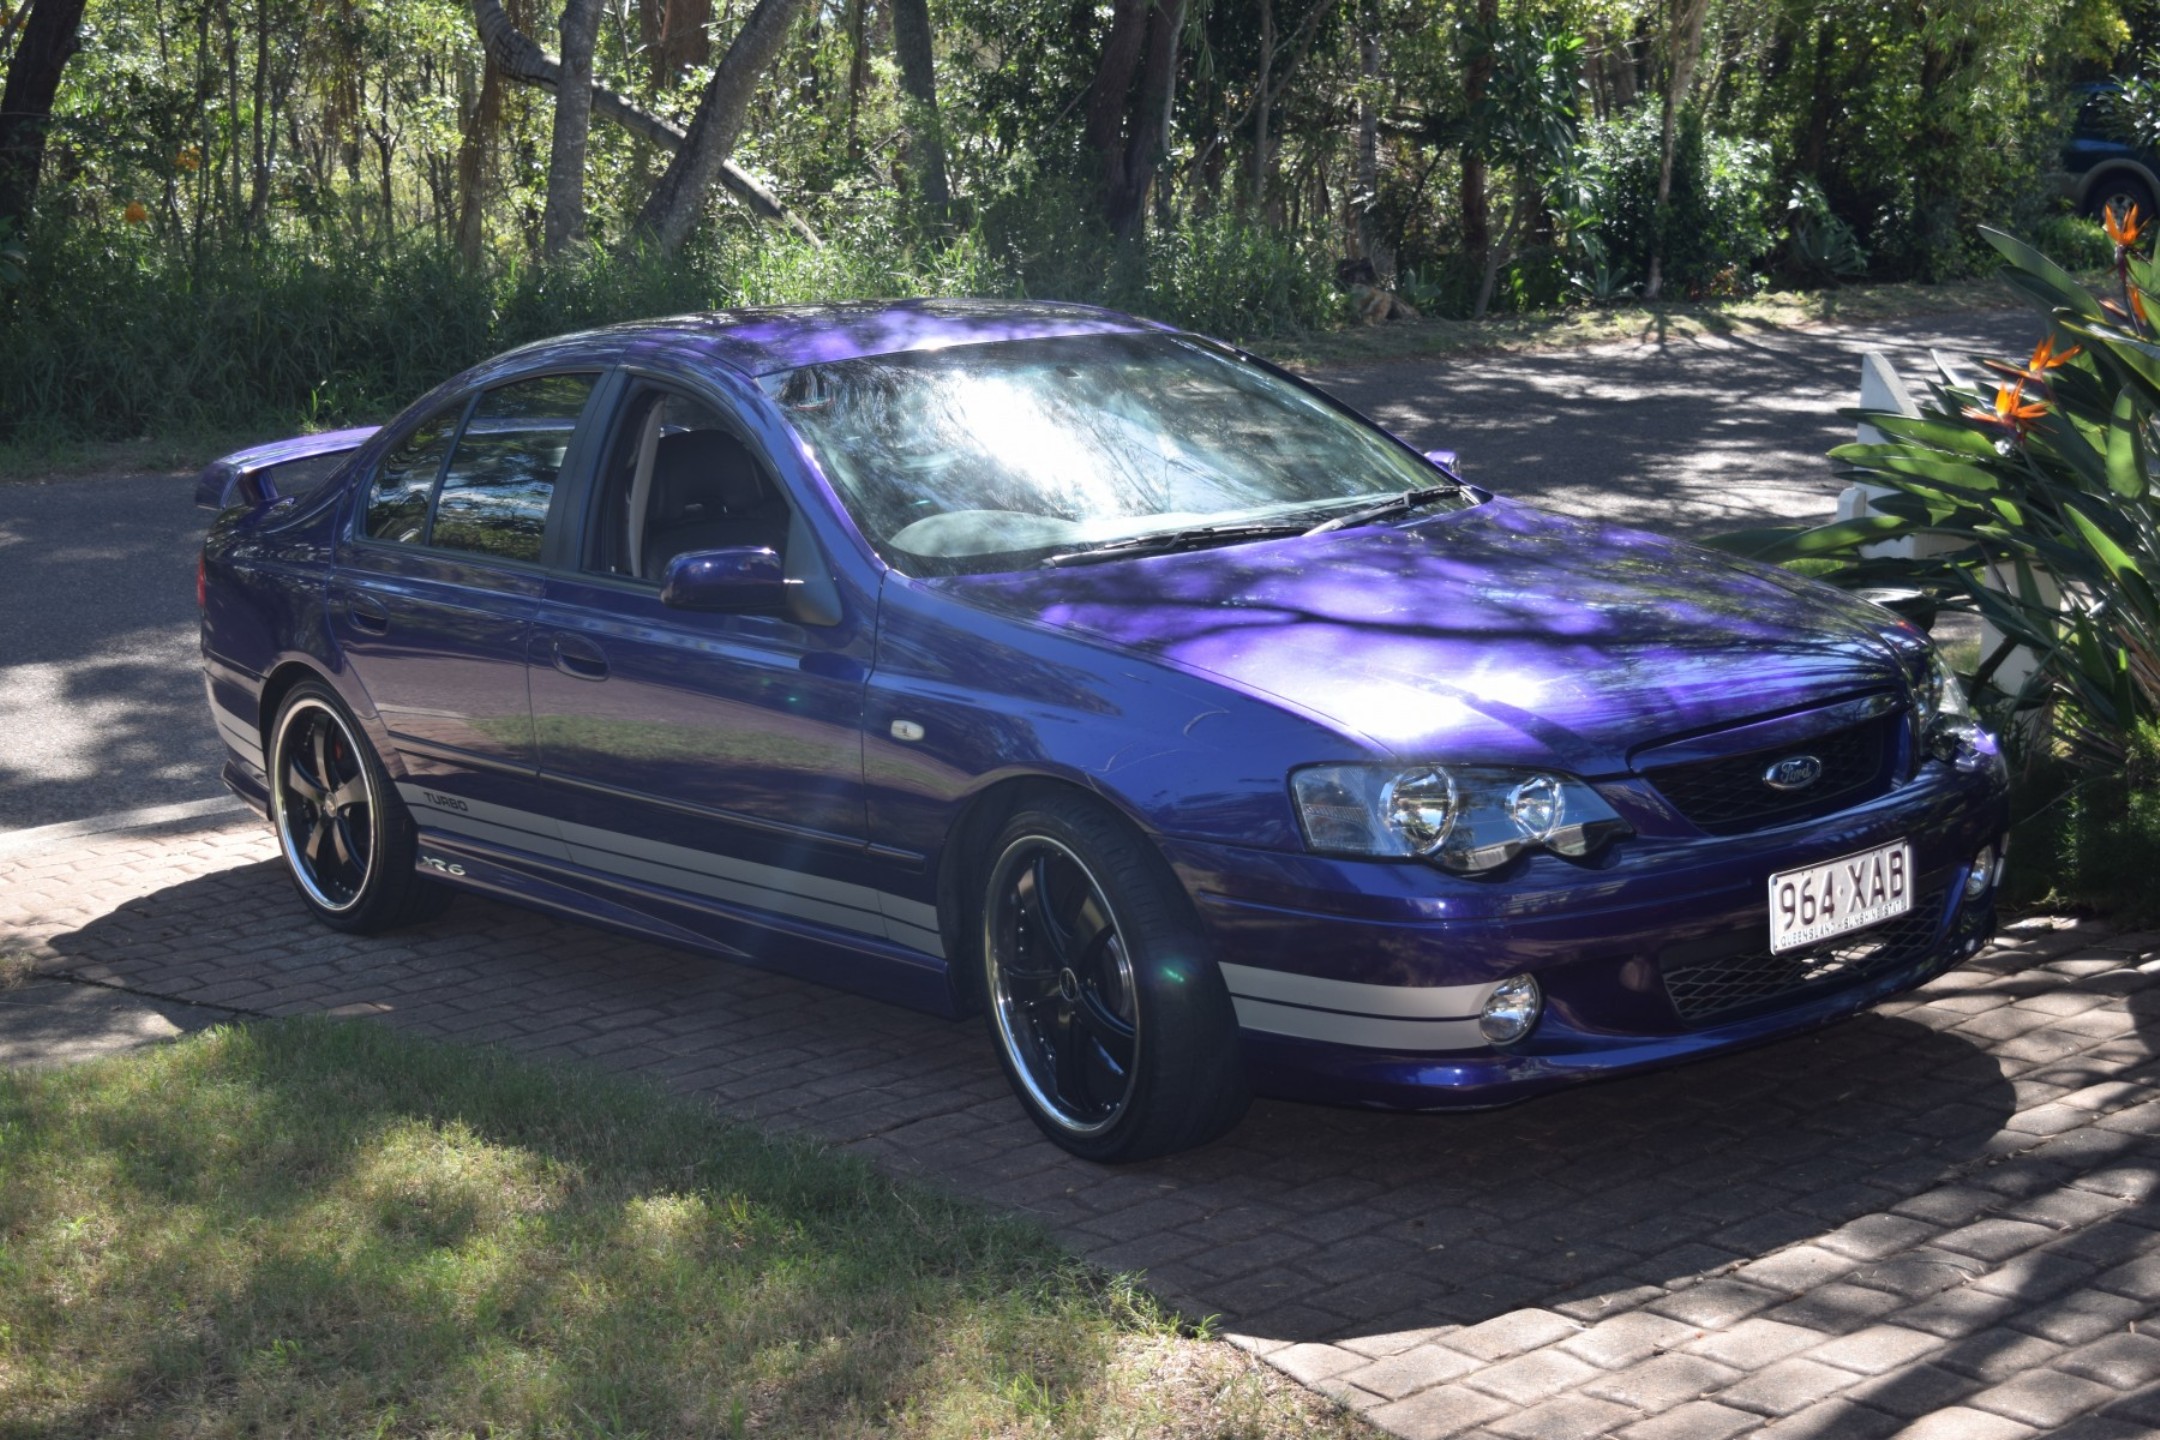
{"type": "Point", "coordinates": [1837, 896]}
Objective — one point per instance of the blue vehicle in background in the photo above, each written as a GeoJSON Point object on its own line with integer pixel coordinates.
{"type": "Point", "coordinates": [2103, 166]}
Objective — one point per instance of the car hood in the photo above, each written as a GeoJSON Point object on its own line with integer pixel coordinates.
{"type": "Point", "coordinates": [1500, 634]}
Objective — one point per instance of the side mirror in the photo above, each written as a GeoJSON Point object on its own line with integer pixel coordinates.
{"type": "Point", "coordinates": [745, 578]}
{"type": "Point", "coordinates": [1446, 460]}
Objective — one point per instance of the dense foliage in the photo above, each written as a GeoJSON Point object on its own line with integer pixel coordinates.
{"type": "Point", "coordinates": [249, 208]}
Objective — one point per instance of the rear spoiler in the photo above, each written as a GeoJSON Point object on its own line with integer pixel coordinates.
{"type": "Point", "coordinates": [280, 468]}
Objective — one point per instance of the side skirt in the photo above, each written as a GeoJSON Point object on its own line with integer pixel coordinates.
{"type": "Point", "coordinates": [796, 948]}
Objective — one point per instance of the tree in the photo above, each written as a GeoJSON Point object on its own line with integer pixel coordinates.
{"type": "Point", "coordinates": [926, 130]}
{"type": "Point", "coordinates": [563, 224]}
{"type": "Point", "coordinates": [50, 38]}
{"type": "Point", "coordinates": [1681, 47]}
{"type": "Point", "coordinates": [672, 210]}
{"type": "Point", "coordinates": [1128, 107]}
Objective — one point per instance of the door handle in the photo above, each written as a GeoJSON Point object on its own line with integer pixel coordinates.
{"type": "Point", "coordinates": [367, 613]}
{"type": "Point", "coordinates": [579, 658]}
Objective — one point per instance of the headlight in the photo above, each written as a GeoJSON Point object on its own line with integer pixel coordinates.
{"type": "Point", "coordinates": [1468, 818]}
{"type": "Point", "coordinates": [1943, 720]}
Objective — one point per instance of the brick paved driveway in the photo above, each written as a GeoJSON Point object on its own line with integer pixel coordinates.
{"type": "Point", "coordinates": [1942, 1212]}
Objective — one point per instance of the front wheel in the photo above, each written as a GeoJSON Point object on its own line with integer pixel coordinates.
{"type": "Point", "coordinates": [347, 839]}
{"type": "Point", "coordinates": [1111, 1022]}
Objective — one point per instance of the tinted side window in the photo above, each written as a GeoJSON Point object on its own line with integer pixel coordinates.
{"type": "Point", "coordinates": [398, 499]}
{"type": "Point", "coordinates": [495, 494]}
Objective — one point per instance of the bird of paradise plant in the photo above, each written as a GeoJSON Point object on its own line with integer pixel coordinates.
{"type": "Point", "coordinates": [2042, 495]}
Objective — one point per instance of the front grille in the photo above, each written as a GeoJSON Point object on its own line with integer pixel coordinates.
{"type": "Point", "coordinates": [1704, 984]}
{"type": "Point", "coordinates": [1726, 796]}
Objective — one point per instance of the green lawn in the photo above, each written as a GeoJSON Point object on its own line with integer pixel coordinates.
{"type": "Point", "coordinates": [313, 1228]}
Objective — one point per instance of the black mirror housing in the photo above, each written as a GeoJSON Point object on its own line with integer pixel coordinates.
{"type": "Point", "coordinates": [745, 578]}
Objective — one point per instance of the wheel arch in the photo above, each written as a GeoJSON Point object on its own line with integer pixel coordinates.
{"type": "Point", "coordinates": [962, 858]}
{"type": "Point", "coordinates": [2095, 180]}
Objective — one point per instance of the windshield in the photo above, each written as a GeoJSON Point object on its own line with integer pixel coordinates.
{"type": "Point", "coordinates": [999, 456]}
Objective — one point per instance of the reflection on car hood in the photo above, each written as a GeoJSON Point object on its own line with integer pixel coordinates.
{"type": "Point", "coordinates": [1501, 634]}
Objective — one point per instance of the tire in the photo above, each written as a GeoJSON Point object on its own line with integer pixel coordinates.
{"type": "Point", "coordinates": [351, 858]}
{"type": "Point", "coordinates": [1111, 1021]}
{"type": "Point", "coordinates": [2121, 189]}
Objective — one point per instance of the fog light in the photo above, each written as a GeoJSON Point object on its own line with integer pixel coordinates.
{"type": "Point", "coordinates": [1511, 1010]}
{"type": "Point", "coordinates": [1982, 874]}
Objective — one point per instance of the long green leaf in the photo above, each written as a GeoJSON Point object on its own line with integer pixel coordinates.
{"type": "Point", "coordinates": [2052, 282]}
{"type": "Point", "coordinates": [2126, 473]}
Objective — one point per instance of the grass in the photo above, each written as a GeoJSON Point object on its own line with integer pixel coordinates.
{"type": "Point", "coordinates": [313, 1228]}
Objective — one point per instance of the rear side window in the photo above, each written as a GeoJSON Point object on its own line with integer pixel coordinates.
{"type": "Point", "coordinates": [495, 494]}
{"type": "Point", "coordinates": [397, 506]}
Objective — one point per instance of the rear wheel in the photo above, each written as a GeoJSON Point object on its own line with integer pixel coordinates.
{"type": "Point", "coordinates": [1111, 1022]}
{"type": "Point", "coordinates": [2118, 191]}
{"type": "Point", "coordinates": [347, 839]}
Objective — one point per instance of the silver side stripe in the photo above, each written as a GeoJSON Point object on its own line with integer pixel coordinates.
{"type": "Point", "coordinates": [1369, 1032]}
{"type": "Point", "coordinates": [838, 903]}
{"type": "Point", "coordinates": [1348, 1012]}
{"type": "Point", "coordinates": [1406, 1002]}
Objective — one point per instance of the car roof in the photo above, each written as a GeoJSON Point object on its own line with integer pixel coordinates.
{"type": "Point", "coordinates": [781, 337]}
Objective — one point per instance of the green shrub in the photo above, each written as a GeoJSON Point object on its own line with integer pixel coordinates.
{"type": "Point", "coordinates": [2091, 841]}
{"type": "Point", "coordinates": [1223, 276]}
{"type": "Point", "coordinates": [2079, 244]}
{"type": "Point", "coordinates": [1716, 225]}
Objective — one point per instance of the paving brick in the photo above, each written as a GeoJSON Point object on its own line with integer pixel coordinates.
{"type": "Point", "coordinates": [1438, 1413]}
{"type": "Point", "coordinates": [1837, 1309]}
{"type": "Point", "coordinates": [1716, 1302]}
{"type": "Point", "coordinates": [1418, 1368]}
{"type": "Point", "coordinates": [1700, 1420]}
{"type": "Point", "coordinates": [2079, 1316]}
{"type": "Point", "coordinates": [2045, 1399]}
{"type": "Point", "coordinates": [1623, 1340]}
{"type": "Point", "coordinates": [1836, 1419]}
{"type": "Point", "coordinates": [2124, 1361]}
{"type": "Point", "coordinates": [1876, 1349]}
{"type": "Point", "coordinates": [1786, 1387]}
{"type": "Point", "coordinates": [1998, 1355]}
{"type": "Point", "coordinates": [1877, 1237]}
{"type": "Point", "coordinates": [1801, 1268]}
{"type": "Point", "coordinates": [1663, 1381]}
{"type": "Point", "coordinates": [1512, 1334]}
{"type": "Point", "coordinates": [1753, 1344]}
{"type": "Point", "coordinates": [1527, 1379]}
{"type": "Point", "coordinates": [1995, 1239]}
{"type": "Point", "coordinates": [1962, 1423]}
{"type": "Point", "coordinates": [1566, 1417]}
{"type": "Point", "coordinates": [1913, 1391]}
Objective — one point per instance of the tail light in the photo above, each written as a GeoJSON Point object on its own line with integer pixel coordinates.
{"type": "Point", "coordinates": [202, 582]}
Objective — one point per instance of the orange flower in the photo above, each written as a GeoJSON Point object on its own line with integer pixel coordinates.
{"type": "Point", "coordinates": [2013, 412]}
{"type": "Point", "coordinates": [2125, 227]}
{"type": "Point", "coordinates": [190, 158]}
{"type": "Point", "coordinates": [2045, 357]}
{"type": "Point", "coordinates": [136, 213]}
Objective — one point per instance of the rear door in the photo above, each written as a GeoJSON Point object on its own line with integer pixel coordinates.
{"type": "Point", "coordinates": [434, 599]}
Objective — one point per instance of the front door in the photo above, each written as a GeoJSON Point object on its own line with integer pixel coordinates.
{"type": "Point", "coordinates": [718, 755]}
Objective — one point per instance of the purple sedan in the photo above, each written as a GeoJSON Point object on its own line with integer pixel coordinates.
{"type": "Point", "coordinates": [1043, 662]}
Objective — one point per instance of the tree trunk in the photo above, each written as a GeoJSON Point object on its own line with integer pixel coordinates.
{"type": "Point", "coordinates": [1683, 47]}
{"type": "Point", "coordinates": [1367, 199]}
{"type": "Point", "coordinates": [1475, 204]}
{"type": "Point", "coordinates": [1111, 91]}
{"type": "Point", "coordinates": [1151, 118]}
{"type": "Point", "coordinates": [674, 36]}
{"type": "Point", "coordinates": [1263, 103]}
{"type": "Point", "coordinates": [474, 147]}
{"type": "Point", "coordinates": [521, 60]}
{"type": "Point", "coordinates": [918, 82]}
{"type": "Point", "coordinates": [672, 210]}
{"type": "Point", "coordinates": [562, 222]}
{"type": "Point", "coordinates": [858, 27]}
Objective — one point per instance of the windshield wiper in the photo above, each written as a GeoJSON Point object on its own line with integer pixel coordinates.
{"type": "Point", "coordinates": [1401, 504]}
{"type": "Point", "coordinates": [1166, 542]}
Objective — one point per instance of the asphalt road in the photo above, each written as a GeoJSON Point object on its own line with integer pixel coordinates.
{"type": "Point", "coordinates": [101, 705]}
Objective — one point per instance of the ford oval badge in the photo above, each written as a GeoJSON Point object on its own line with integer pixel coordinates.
{"type": "Point", "coordinates": [1794, 772]}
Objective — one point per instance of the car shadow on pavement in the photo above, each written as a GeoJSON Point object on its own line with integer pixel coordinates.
{"type": "Point", "coordinates": [1306, 1223]}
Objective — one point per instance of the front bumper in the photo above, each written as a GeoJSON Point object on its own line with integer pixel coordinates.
{"type": "Point", "coordinates": [1360, 982]}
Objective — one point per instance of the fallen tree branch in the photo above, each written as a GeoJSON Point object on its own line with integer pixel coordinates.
{"type": "Point", "coordinates": [520, 59]}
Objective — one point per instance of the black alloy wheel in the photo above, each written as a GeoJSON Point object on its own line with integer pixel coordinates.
{"type": "Point", "coordinates": [1112, 1024]}
{"type": "Point", "coordinates": [2119, 191]}
{"type": "Point", "coordinates": [347, 839]}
